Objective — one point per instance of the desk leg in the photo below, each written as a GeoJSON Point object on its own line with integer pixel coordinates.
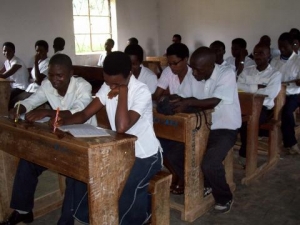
{"type": "Point", "coordinates": [109, 168]}
{"type": "Point", "coordinates": [8, 166]}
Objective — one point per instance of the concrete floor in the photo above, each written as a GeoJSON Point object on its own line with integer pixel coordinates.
{"type": "Point", "coordinates": [272, 200]}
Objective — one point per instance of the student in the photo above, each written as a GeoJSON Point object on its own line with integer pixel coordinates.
{"type": "Point", "coordinates": [261, 79]}
{"type": "Point", "coordinates": [62, 91]}
{"type": "Point", "coordinates": [219, 48]}
{"type": "Point", "coordinates": [288, 63]}
{"type": "Point", "coordinates": [214, 87]}
{"type": "Point", "coordinates": [129, 109]}
{"type": "Point", "coordinates": [173, 76]}
{"type": "Point", "coordinates": [58, 45]}
{"type": "Point", "coordinates": [176, 38]}
{"type": "Point", "coordinates": [14, 70]}
{"type": "Point", "coordinates": [133, 41]}
{"type": "Point", "coordinates": [239, 59]}
{"type": "Point", "coordinates": [140, 72]}
{"type": "Point", "coordinates": [266, 40]}
{"type": "Point", "coordinates": [109, 44]}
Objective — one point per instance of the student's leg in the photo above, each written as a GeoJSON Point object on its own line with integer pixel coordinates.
{"type": "Point", "coordinates": [133, 204]}
{"type": "Point", "coordinates": [24, 186]}
{"type": "Point", "coordinates": [288, 121]}
{"type": "Point", "coordinates": [14, 93]}
{"type": "Point", "coordinates": [19, 97]}
{"type": "Point", "coordinates": [219, 143]}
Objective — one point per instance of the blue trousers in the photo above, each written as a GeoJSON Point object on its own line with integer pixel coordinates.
{"type": "Point", "coordinates": [134, 202]}
{"type": "Point", "coordinates": [292, 102]}
{"type": "Point", "coordinates": [219, 143]}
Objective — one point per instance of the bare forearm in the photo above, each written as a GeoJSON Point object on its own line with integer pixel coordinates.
{"type": "Point", "coordinates": [209, 103]}
{"type": "Point", "coordinates": [122, 118]}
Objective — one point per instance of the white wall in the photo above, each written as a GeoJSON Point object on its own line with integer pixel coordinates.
{"type": "Point", "coordinates": [200, 22]}
{"type": "Point", "coordinates": [25, 22]}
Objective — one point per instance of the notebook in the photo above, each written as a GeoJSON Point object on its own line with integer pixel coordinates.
{"type": "Point", "coordinates": [84, 130]}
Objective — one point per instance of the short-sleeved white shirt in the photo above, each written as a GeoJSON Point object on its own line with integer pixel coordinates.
{"type": "Point", "coordinates": [21, 76]}
{"type": "Point", "coordinates": [221, 85]}
{"type": "Point", "coordinates": [76, 99]}
{"type": "Point", "coordinates": [231, 61]}
{"type": "Point", "coordinates": [139, 100]}
{"type": "Point", "coordinates": [290, 70]}
{"type": "Point", "coordinates": [101, 59]}
{"type": "Point", "coordinates": [170, 80]}
{"type": "Point", "coordinates": [149, 78]}
{"type": "Point", "coordinates": [43, 67]}
{"type": "Point", "coordinates": [250, 78]}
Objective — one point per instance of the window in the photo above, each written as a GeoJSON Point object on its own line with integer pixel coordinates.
{"type": "Point", "coordinates": [92, 24]}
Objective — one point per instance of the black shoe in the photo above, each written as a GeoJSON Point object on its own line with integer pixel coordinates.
{"type": "Point", "coordinates": [16, 218]}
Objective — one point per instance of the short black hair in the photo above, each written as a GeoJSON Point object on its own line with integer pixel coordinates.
{"type": "Point", "coordinates": [295, 31]}
{"type": "Point", "coordinates": [61, 59]}
{"type": "Point", "coordinates": [59, 43]}
{"type": "Point", "coordinates": [133, 41]}
{"type": "Point", "coordinates": [219, 43]}
{"type": "Point", "coordinates": [135, 50]}
{"type": "Point", "coordinates": [177, 36]}
{"type": "Point", "coordinates": [117, 63]}
{"type": "Point", "coordinates": [10, 45]}
{"type": "Point", "coordinates": [42, 43]}
{"type": "Point", "coordinates": [286, 37]}
{"type": "Point", "coordinates": [178, 49]}
{"type": "Point", "coordinates": [240, 42]}
{"type": "Point", "coordinates": [111, 41]}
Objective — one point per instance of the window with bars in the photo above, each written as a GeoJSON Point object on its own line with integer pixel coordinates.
{"type": "Point", "coordinates": [92, 25]}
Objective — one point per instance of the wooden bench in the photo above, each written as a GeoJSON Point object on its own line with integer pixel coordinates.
{"type": "Point", "coordinates": [162, 59]}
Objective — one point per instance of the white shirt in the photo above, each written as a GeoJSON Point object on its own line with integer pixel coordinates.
{"type": "Point", "coordinates": [149, 78]}
{"type": "Point", "coordinates": [221, 85]}
{"type": "Point", "coordinates": [78, 96]}
{"type": "Point", "coordinates": [139, 100]}
{"type": "Point", "coordinates": [250, 78]}
{"type": "Point", "coordinates": [231, 61]}
{"type": "Point", "coordinates": [21, 76]}
{"type": "Point", "coordinates": [290, 70]}
{"type": "Point", "coordinates": [274, 52]}
{"type": "Point", "coordinates": [171, 80]}
{"type": "Point", "coordinates": [101, 60]}
{"type": "Point", "coordinates": [43, 67]}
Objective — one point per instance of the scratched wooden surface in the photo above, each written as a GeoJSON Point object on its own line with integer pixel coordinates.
{"type": "Point", "coordinates": [4, 96]}
{"type": "Point", "coordinates": [91, 160]}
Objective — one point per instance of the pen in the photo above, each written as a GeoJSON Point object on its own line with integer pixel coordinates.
{"type": "Point", "coordinates": [56, 118]}
{"type": "Point", "coordinates": [17, 114]}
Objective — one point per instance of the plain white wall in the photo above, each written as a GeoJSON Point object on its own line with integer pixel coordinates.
{"type": "Point", "coordinates": [25, 22]}
{"type": "Point", "coordinates": [200, 22]}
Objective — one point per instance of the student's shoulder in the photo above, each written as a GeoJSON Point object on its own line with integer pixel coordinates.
{"type": "Point", "coordinates": [147, 71]}
{"type": "Point", "coordinates": [80, 82]}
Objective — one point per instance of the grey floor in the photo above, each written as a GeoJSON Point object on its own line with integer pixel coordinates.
{"type": "Point", "coordinates": [272, 200]}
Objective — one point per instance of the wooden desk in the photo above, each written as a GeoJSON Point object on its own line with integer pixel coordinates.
{"type": "Point", "coordinates": [181, 127]}
{"type": "Point", "coordinates": [91, 160]}
{"type": "Point", "coordinates": [4, 96]}
{"type": "Point", "coordinates": [251, 105]}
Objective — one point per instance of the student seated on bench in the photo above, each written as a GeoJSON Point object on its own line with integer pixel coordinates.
{"type": "Point", "coordinates": [219, 48]}
{"type": "Point", "coordinates": [288, 63]}
{"type": "Point", "coordinates": [71, 95]}
{"type": "Point", "coordinates": [212, 87]}
{"type": "Point", "coordinates": [140, 72]}
{"type": "Point", "coordinates": [39, 70]}
{"type": "Point", "coordinates": [129, 108]}
{"type": "Point", "coordinates": [261, 79]}
{"type": "Point", "coordinates": [58, 45]}
{"type": "Point", "coordinates": [14, 70]}
{"type": "Point", "coordinates": [108, 46]}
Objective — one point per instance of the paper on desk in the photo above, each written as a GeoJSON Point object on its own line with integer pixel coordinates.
{"type": "Point", "coordinates": [44, 120]}
{"type": "Point", "coordinates": [84, 130]}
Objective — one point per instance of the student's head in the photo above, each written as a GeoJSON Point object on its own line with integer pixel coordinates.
{"type": "Point", "coordinates": [265, 40]}
{"type": "Point", "coordinates": [261, 55]}
{"type": "Point", "coordinates": [237, 46]}
{"type": "Point", "coordinates": [177, 55]}
{"type": "Point", "coordinates": [109, 44]}
{"type": "Point", "coordinates": [60, 72]}
{"type": "Point", "coordinates": [8, 50]}
{"type": "Point", "coordinates": [285, 44]}
{"type": "Point", "coordinates": [132, 41]}
{"type": "Point", "coordinates": [41, 48]}
{"type": "Point", "coordinates": [58, 44]}
{"type": "Point", "coordinates": [202, 63]}
{"type": "Point", "coordinates": [176, 38]}
{"type": "Point", "coordinates": [296, 42]}
{"type": "Point", "coordinates": [218, 48]}
{"type": "Point", "coordinates": [294, 31]}
{"type": "Point", "coordinates": [136, 55]}
{"type": "Point", "coordinates": [116, 69]}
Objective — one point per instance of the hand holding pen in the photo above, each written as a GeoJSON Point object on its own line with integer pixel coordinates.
{"type": "Point", "coordinates": [56, 119]}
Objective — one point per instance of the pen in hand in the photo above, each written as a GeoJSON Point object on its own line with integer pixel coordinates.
{"type": "Point", "coordinates": [17, 113]}
{"type": "Point", "coordinates": [56, 118]}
